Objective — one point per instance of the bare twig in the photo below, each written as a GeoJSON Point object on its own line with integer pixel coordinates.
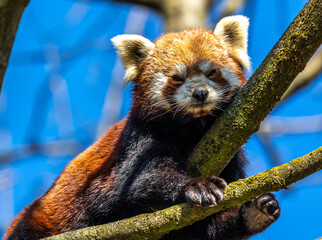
{"type": "Point", "coordinates": [59, 148]}
{"type": "Point", "coordinates": [268, 146]}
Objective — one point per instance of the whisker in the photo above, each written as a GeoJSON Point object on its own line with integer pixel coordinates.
{"type": "Point", "coordinates": [159, 115]}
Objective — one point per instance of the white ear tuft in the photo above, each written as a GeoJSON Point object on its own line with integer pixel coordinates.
{"type": "Point", "coordinates": [234, 31]}
{"type": "Point", "coordinates": [133, 49]}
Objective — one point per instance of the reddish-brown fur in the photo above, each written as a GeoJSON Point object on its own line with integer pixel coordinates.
{"type": "Point", "coordinates": [60, 203]}
{"type": "Point", "coordinates": [121, 164]}
{"type": "Point", "coordinates": [199, 44]}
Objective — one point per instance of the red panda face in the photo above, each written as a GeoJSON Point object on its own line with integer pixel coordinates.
{"type": "Point", "coordinates": [193, 72]}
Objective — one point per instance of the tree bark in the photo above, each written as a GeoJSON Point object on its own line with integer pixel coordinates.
{"type": "Point", "coordinates": [10, 14]}
{"type": "Point", "coordinates": [155, 225]}
{"type": "Point", "coordinates": [259, 95]}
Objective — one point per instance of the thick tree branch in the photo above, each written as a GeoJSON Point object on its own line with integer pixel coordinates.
{"type": "Point", "coordinates": [242, 118]}
{"type": "Point", "coordinates": [155, 225]}
{"type": "Point", "coordinates": [10, 14]}
{"type": "Point", "coordinates": [259, 95]}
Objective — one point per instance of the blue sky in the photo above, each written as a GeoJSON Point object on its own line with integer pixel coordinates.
{"type": "Point", "coordinates": [64, 82]}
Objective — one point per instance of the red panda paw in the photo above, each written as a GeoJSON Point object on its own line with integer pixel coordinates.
{"type": "Point", "coordinates": [204, 192]}
{"type": "Point", "coordinates": [260, 212]}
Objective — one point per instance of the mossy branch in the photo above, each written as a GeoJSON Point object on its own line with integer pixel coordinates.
{"type": "Point", "coordinates": [10, 14]}
{"type": "Point", "coordinates": [242, 118]}
{"type": "Point", "coordinates": [155, 225]}
{"type": "Point", "coordinates": [261, 93]}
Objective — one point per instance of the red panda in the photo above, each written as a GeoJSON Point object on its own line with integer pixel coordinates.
{"type": "Point", "coordinates": [180, 85]}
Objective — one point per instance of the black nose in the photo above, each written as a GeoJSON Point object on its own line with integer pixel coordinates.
{"type": "Point", "coordinates": [200, 93]}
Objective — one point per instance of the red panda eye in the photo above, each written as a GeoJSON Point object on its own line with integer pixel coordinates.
{"type": "Point", "coordinates": [211, 73]}
{"type": "Point", "coordinates": [177, 78]}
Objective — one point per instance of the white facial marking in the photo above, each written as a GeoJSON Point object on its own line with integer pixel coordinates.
{"type": "Point", "coordinates": [205, 66]}
{"type": "Point", "coordinates": [158, 84]}
{"type": "Point", "coordinates": [231, 77]}
{"type": "Point", "coordinates": [183, 99]}
{"type": "Point", "coordinates": [188, 103]}
{"type": "Point", "coordinates": [181, 69]}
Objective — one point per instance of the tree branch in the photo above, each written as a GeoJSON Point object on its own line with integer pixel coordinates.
{"type": "Point", "coordinates": [10, 14]}
{"type": "Point", "coordinates": [259, 95]}
{"type": "Point", "coordinates": [155, 225]}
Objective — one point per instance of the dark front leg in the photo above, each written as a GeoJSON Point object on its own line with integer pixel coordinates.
{"type": "Point", "coordinates": [157, 188]}
{"type": "Point", "coordinates": [163, 185]}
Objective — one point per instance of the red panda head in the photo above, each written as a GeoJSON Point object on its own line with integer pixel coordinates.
{"type": "Point", "coordinates": [193, 72]}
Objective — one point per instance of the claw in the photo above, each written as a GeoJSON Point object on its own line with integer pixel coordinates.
{"type": "Point", "coordinates": [205, 192]}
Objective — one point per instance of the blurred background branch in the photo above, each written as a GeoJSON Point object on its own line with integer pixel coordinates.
{"type": "Point", "coordinates": [154, 4]}
{"type": "Point", "coordinates": [55, 149]}
{"type": "Point", "coordinates": [10, 14]}
{"type": "Point", "coordinates": [310, 73]}
{"type": "Point", "coordinates": [232, 6]}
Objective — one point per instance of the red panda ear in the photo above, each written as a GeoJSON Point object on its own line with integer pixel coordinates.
{"type": "Point", "coordinates": [233, 30]}
{"type": "Point", "coordinates": [133, 49]}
